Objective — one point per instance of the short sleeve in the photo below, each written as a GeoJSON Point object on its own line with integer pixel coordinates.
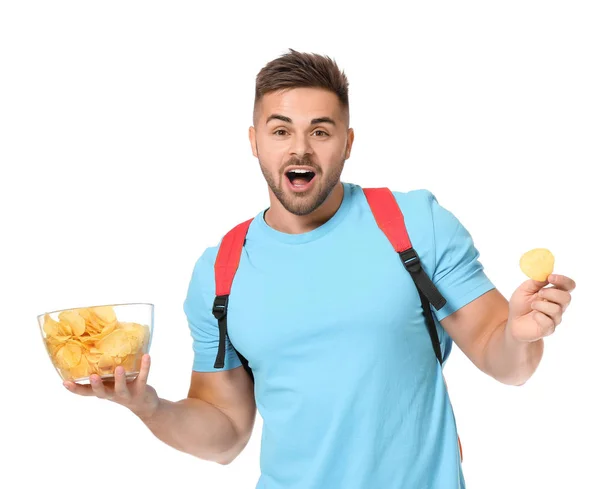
{"type": "Point", "coordinates": [203, 326]}
{"type": "Point", "coordinates": [458, 273]}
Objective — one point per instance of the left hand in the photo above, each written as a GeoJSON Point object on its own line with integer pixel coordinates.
{"type": "Point", "coordinates": [535, 311]}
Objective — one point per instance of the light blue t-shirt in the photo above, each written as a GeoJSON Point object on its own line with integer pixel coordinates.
{"type": "Point", "coordinates": [346, 379]}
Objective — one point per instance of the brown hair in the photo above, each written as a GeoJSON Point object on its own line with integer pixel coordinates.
{"type": "Point", "coordinates": [295, 69]}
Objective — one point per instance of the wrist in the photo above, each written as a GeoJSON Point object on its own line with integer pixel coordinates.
{"type": "Point", "coordinates": [523, 355]}
{"type": "Point", "coordinates": [509, 335]}
{"type": "Point", "coordinates": [513, 338]}
{"type": "Point", "coordinates": [150, 412]}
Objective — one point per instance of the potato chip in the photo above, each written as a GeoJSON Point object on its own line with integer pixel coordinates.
{"type": "Point", "coordinates": [105, 365]}
{"type": "Point", "coordinates": [108, 329]}
{"type": "Point", "coordinates": [115, 344]}
{"type": "Point", "coordinates": [88, 340]}
{"type": "Point", "coordinates": [69, 355]}
{"type": "Point", "coordinates": [104, 316]}
{"type": "Point", "coordinates": [62, 339]}
{"type": "Point", "coordinates": [64, 328]}
{"type": "Point", "coordinates": [92, 324]}
{"type": "Point", "coordinates": [93, 360]}
{"type": "Point", "coordinates": [53, 346]}
{"type": "Point", "coordinates": [81, 370]}
{"type": "Point", "coordinates": [136, 334]}
{"type": "Point", "coordinates": [50, 326]}
{"type": "Point", "coordinates": [132, 363]}
{"type": "Point", "coordinates": [105, 313]}
{"type": "Point", "coordinates": [537, 264]}
{"type": "Point", "coordinates": [74, 320]}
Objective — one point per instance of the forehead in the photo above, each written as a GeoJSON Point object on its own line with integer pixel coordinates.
{"type": "Point", "coordinates": [301, 104]}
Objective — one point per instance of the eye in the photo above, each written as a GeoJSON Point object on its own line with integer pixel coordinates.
{"type": "Point", "coordinates": [279, 131]}
{"type": "Point", "coordinates": [323, 132]}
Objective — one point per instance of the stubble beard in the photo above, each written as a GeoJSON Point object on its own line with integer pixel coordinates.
{"type": "Point", "coordinates": [303, 203]}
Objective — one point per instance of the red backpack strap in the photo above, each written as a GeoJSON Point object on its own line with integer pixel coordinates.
{"type": "Point", "coordinates": [226, 264]}
{"type": "Point", "coordinates": [390, 220]}
{"type": "Point", "coordinates": [389, 217]}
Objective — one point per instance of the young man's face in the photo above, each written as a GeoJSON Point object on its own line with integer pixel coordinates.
{"type": "Point", "coordinates": [301, 139]}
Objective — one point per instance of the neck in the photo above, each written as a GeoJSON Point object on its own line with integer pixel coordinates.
{"type": "Point", "coordinates": [278, 218]}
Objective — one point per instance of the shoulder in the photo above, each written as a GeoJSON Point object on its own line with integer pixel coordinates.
{"type": "Point", "coordinates": [204, 266]}
{"type": "Point", "coordinates": [411, 200]}
{"type": "Point", "coordinates": [415, 201]}
{"type": "Point", "coordinates": [418, 206]}
{"type": "Point", "coordinates": [429, 224]}
{"type": "Point", "coordinates": [202, 278]}
{"type": "Point", "coordinates": [421, 206]}
{"type": "Point", "coordinates": [206, 259]}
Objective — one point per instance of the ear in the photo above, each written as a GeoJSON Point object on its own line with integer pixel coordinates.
{"type": "Point", "coordinates": [252, 137]}
{"type": "Point", "coordinates": [349, 142]}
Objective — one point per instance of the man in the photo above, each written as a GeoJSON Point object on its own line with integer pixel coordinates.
{"type": "Point", "coordinates": [331, 324]}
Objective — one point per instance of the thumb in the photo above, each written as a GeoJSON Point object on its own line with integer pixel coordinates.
{"type": "Point", "coordinates": [530, 287]}
{"type": "Point", "coordinates": [522, 298]}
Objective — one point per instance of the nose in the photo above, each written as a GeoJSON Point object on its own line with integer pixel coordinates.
{"type": "Point", "coordinates": [300, 146]}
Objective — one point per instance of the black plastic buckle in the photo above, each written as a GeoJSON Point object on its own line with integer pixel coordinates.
{"type": "Point", "coordinates": [411, 260]}
{"type": "Point", "coordinates": [219, 309]}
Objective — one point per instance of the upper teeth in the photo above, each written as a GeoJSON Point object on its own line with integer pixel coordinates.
{"type": "Point", "coordinates": [301, 171]}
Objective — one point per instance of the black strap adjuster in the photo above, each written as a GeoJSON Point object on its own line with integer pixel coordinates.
{"type": "Point", "coordinates": [412, 263]}
{"type": "Point", "coordinates": [219, 309]}
{"type": "Point", "coordinates": [411, 260]}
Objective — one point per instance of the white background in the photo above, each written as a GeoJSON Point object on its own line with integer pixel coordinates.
{"type": "Point", "coordinates": [123, 145]}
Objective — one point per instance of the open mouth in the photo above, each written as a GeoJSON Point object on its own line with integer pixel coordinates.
{"type": "Point", "coordinates": [300, 177]}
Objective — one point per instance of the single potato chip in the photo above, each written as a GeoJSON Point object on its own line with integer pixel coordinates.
{"type": "Point", "coordinates": [537, 264]}
{"type": "Point", "coordinates": [106, 365]}
{"type": "Point", "coordinates": [51, 326]}
{"type": "Point", "coordinates": [62, 339]}
{"type": "Point", "coordinates": [115, 344]}
{"type": "Point", "coordinates": [72, 354]}
{"type": "Point", "coordinates": [136, 334]}
{"type": "Point", "coordinates": [108, 329]}
{"type": "Point", "coordinates": [68, 356]}
{"type": "Point", "coordinates": [132, 363]}
{"type": "Point", "coordinates": [81, 370]}
{"type": "Point", "coordinates": [74, 320]}
{"type": "Point", "coordinates": [53, 346]}
{"type": "Point", "coordinates": [105, 314]}
{"type": "Point", "coordinates": [64, 328]}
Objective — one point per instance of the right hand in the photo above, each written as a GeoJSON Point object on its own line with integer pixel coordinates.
{"type": "Point", "coordinates": [136, 395]}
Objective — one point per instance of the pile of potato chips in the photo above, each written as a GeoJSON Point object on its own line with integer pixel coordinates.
{"type": "Point", "coordinates": [91, 340]}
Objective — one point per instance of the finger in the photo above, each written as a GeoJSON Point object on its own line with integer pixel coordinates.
{"type": "Point", "coordinates": [545, 324]}
{"type": "Point", "coordinates": [98, 387]}
{"type": "Point", "coordinates": [121, 389]}
{"type": "Point", "coordinates": [562, 282]}
{"type": "Point", "coordinates": [559, 296]}
{"type": "Point", "coordinates": [531, 286]}
{"type": "Point", "coordinates": [142, 377]}
{"type": "Point", "coordinates": [80, 390]}
{"type": "Point", "coordinates": [550, 309]}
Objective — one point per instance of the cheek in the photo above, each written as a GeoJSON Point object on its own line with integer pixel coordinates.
{"type": "Point", "coordinates": [271, 148]}
{"type": "Point", "coordinates": [331, 157]}
{"type": "Point", "coordinates": [271, 158]}
{"type": "Point", "coordinates": [266, 151]}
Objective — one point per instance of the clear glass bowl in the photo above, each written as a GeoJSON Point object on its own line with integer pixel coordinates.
{"type": "Point", "coordinates": [85, 340]}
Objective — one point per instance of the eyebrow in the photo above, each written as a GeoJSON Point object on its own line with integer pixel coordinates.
{"type": "Point", "coordinates": [318, 120]}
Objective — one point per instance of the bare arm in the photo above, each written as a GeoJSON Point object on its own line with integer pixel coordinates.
{"type": "Point", "coordinates": [214, 423]}
{"type": "Point", "coordinates": [505, 338]}
{"type": "Point", "coordinates": [479, 330]}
